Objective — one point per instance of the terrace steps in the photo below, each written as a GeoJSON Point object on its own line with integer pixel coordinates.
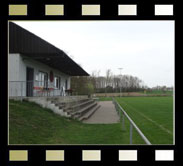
{"type": "Point", "coordinates": [80, 109]}
{"type": "Point", "coordinates": [89, 113]}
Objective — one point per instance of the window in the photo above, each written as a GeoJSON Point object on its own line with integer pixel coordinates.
{"type": "Point", "coordinates": [43, 79]}
{"type": "Point", "coordinates": [57, 82]}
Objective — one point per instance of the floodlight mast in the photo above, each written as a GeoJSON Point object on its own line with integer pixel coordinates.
{"type": "Point", "coordinates": [120, 81]}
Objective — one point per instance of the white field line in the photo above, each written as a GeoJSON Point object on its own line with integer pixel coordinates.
{"type": "Point", "coordinates": [149, 119]}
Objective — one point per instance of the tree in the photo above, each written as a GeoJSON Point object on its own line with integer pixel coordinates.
{"type": "Point", "coordinates": [90, 89]}
{"type": "Point", "coordinates": [108, 83]}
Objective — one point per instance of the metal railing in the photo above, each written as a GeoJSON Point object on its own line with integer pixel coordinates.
{"type": "Point", "coordinates": [132, 124]}
{"type": "Point", "coordinates": [35, 89]}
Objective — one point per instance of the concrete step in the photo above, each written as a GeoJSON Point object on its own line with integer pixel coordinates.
{"type": "Point", "coordinates": [79, 113]}
{"type": "Point", "coordinates": [89, 113]}
{"type": "Point", "coordinates": [59, 104]}
{"type": "Point", "coordinates": [76, 107]}
{"type": "Point", "coordinates": [68, 104]}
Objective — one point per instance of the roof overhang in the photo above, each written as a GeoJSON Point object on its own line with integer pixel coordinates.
{"type": "Point", "coordinates": [33, 47]}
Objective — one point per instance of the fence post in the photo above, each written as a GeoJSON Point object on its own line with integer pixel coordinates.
{"type": "Point", "coordinates": [131, 133]}
{"type": "Point", "coordinates": [117, 108]}
{"type": "Point", "coordinates": [123, 121]}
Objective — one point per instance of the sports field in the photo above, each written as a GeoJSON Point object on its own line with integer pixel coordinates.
{"type": "Point", "coordinates": [31, 124]}
{"type": "Point", "coordinates": [153, 115]}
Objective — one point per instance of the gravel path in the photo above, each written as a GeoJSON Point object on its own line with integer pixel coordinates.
{"type": "Point", "coordinates": [104, 115]}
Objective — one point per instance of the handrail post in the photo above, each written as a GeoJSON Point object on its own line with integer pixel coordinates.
{"type": "Point", "coordinates": [131, 133]}
{"type": "Point", "coordinates": [123, 121]}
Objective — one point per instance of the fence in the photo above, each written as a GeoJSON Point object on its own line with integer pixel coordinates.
{"type": "Point", "coordinates": [35, 89]}
{"type": "Point", "coordinates": [132, 124]}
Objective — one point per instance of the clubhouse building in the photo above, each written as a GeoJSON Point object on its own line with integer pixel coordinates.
{"type": "Point", "coordinates": [36, 67]}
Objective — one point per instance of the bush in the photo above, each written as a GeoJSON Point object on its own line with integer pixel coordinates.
{"type": "Point", "coordinates": [90, 89]}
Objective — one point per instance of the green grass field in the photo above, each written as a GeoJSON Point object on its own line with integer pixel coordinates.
{"type": "Point", "coordinates": [153, 115]}
{"type": "Point", "coordinates": [31, 124]}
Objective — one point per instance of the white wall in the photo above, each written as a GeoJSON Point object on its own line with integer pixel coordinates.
{"type": "Point", "coordinates": [13, 67]}
{"type": "Point", "coordinates": [17, 72]}
{"type": "Point", "coordinates": [14, 72]}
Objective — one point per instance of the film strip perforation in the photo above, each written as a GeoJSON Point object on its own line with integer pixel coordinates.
{"type": "Point", "coordinates": [122, 155]}
{"type": "Point", "coordinates": [123, 9]}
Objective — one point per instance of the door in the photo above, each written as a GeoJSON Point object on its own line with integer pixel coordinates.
{"type": "Point", "coordinates": [30, 81]}
{"type": "Point", "coordinates": [66, 84]}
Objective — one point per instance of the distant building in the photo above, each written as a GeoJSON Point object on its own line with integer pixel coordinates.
{"type": "Point", "coordinates": [36, 67]}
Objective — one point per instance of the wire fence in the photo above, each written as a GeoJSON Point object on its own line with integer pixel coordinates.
{"type": "Point", "coordinates": [132, 124]}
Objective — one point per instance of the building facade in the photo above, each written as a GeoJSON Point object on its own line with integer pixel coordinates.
{"type": "Point", "coordinates": [37, 68]}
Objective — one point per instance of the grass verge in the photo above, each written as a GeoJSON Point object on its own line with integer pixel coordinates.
{"type": "Point", "coordinates": [31, 124]}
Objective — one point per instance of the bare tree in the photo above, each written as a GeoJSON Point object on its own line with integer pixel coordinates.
{"type": "Point", "coordinates": [108, 83]}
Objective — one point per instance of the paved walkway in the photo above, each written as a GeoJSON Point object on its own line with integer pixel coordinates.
{"type": "Point", "coordinates": [104, 115]}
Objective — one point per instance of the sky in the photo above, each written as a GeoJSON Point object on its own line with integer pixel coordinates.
{"type": "Point", "coordinates": [144, 49]}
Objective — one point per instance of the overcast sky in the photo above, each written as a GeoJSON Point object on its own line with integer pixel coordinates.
{"type": "Point", "coordinates": [142, 48]}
